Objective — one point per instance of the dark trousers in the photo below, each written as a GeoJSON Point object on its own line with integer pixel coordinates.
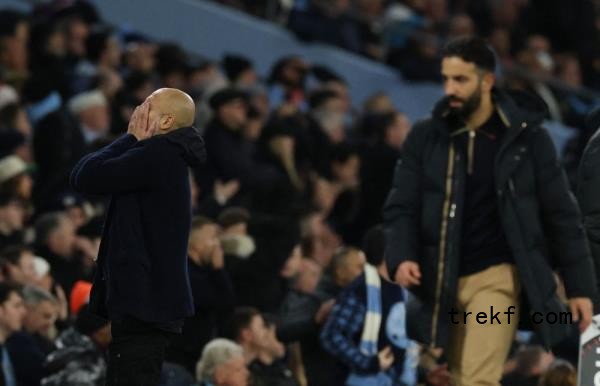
{"type": "Point", "coordinates": [136, 354]}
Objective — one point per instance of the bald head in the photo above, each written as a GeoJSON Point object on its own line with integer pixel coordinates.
{"type": "Point", "coordinates": [171, 109]}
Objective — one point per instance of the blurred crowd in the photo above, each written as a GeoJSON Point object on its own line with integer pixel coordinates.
{"type": "Point", "coordinates": [287, 207]}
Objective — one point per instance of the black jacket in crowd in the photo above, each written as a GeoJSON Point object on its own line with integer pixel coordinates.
{"type": "Point", "coordinates": [539, 215]}
{"type": "Point", "coordinates": [588, 193]}
{"type": "Point", "coordinates": [142, 264]}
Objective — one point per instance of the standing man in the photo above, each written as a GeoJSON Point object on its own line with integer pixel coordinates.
{"type": "Point", "coordinates": [588, 191]}
{"type": "Point", "coordinates": [479, 215]}
{"type": "Point", "coordinates": [142, 283]}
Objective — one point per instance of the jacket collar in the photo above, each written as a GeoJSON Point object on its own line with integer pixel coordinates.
{"type": "Point", "coordinates": [517, 110]}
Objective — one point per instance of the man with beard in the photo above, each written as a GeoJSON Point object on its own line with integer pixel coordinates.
{"type": "Point", "coordinates": [479, 215]}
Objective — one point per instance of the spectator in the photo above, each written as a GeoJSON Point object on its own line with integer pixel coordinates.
{"type": "Point", "coordinates": [14, 35]}
{"type": "Point", "coordinates": [12, 221]}
{"type": "Point", "coordinates": [249, 331]}
{"type": "Point", "coordinates": [14, 178]}
{"type": "Point", "coordinates": [222, 364]}
{"type": "Point", "coordinates": [560, 373]}
{"type": "Point", "coordinates": [57, 243]}
{"type": "Point", "coordinates": [531, 362]}
{"type": "Point", "coordinates": [18, 265]}
{"type": "Point", "coordinates": [28, 348]}
{"type": "Point", "coordinates": [269, 369]}
{"type": "Point", "coordinates": [12, 312]}
{"type": "Point", "coordinates": [212, 291]}
{"type": "Point", "coordinates": [377, 165]}
{"type": "Point", "coordinates": [240, 71]}
{"type": "Point", "coordinates": [224, 136]}
{"type": "Point", "coordinates": [80, 356]}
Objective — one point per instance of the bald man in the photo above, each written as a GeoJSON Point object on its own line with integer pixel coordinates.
{"type": "Point", "coordinates": [141, 283]}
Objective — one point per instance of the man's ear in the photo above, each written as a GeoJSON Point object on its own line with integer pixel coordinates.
{"type": "Point", "coordinates": [167, 121]}
{"type": "Point", "coordinates": [488, 81]}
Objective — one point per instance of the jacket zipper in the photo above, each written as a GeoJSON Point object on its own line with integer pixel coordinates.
{"type": "Point", "coordinates": [471, 151]}
{"type": "Point", "coordinates": [448, 210]}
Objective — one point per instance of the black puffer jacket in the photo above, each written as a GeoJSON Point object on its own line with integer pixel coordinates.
{"type": "Point", "coordinates": [541, 220]}
{"type": "Point", "coordinates": [588, 191]}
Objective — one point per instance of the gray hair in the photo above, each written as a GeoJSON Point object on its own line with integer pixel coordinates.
{"type": "Point", "coordinates": [34, 296]}
{"type": "Point", "coordinates": [215, 353]}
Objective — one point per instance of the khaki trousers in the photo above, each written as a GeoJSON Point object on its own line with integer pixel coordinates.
{"type": "Point", "coordinates": [479, 344]}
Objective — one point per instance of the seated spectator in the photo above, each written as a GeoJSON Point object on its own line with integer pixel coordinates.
{"type": "Point", "coordinates": [560, 373]}
{"type": "Point", "coordinates": [347, 264]}
{"type": "Point", "coordinates": [62, 137]}
{"type": "Point", "coordinates": [300, 316]}
{"type": "Point", "coordinates": [28, 348]}
{"type": "Point", "coordinates": [12, 221]}
{"type": "Point", "coordinates": [14, 178]}
{"type": "Point", "coordinates": [18, 267]}
{"type": "Point", "coordinates": [222, 364]}
{"type": "Point", "coordinates": [366, 329]}
{"type": "Point", "coordinates": [12, 312]}
{"type": "Point", "coordinates": [531, 362]}
{"type": "Point", "coordinates": [258, 279]}
{"type": "Point", "coordinates": [57, 243]}
{"type": "Point", "coordinates": [249, 331]}
{"type": "Point", "coordinates": [41, 307]}
{"type": "Point", "coordinates": [307, 308]}
{"type": "Point", "coordinates": [240, 71]}
{"type": "Point", "coordinates": [269, 369]}
{"type": "Point", "coordinates": [212, 291]}
{"type": "Point", "coordinates": [80, 357]}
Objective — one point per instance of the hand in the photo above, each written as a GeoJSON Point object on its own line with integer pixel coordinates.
{"type": "Point", "coordinates": [87, 247]}
{"type": "Point", "coordinates": [581, 309]}
{"type": "Point", "coordinates": [386, 358]}
{"type": "Point", "coordinates": [223, 191]}
{"type": "Point", "coordinates": [439, 376]}
{"type": "Point", "coordinates": [138, 124]}
{"type": "Point", "coordinates": [217, 259]}
{"type": "Point", "coordinates": [408, 274]}
{"type": "Point", "coordinates": [324, 311]}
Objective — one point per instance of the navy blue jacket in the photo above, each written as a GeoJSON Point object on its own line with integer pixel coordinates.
{"type": "Point", "coordinates": [142, 264]}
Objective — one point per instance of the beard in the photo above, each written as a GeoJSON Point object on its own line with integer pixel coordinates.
{"type": "Point", "coordinates": [469, 105]}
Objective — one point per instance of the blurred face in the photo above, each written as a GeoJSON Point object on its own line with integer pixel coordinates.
{"type": "Point", "coordinates": [258, 332]}
{"type": "Point", "coordinates": [12, 216]}
{"type": "Point", "coordinates": [140, 57]}
{"type": "Point", "coordinates": [247, 78]}
{"type": "Point", "coordinates": [23, 272]}
{"type": "Point", "coordinates": [12, 312]}
{"type": "Point", "coordinates": [45, 282]}
{"type": "Point", "coordinates": [39, 318]}
{"type": "Point", "coordinates": [234, 114]}
{"type": "Point", "coordinates": [203, 240]}
{"type": "Point", "coordinates": [113, 53]}
{"type": "Point", "coordinates": [308, 277]}
{"type": "Point", "coordinates": [96, 118]}
{"type": "Point", "coordinates": [62, 240]}
{"type": "Point", "coordinates": [396, 134]}
{"type": "Point", "coordinates": [354, 266]}
{"type": "Point", "coordinates": [78, 33]}
{"type": "Point", "coordinates": [232, 373]}
{"type": "Point", "coordinates": [463, 86]}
